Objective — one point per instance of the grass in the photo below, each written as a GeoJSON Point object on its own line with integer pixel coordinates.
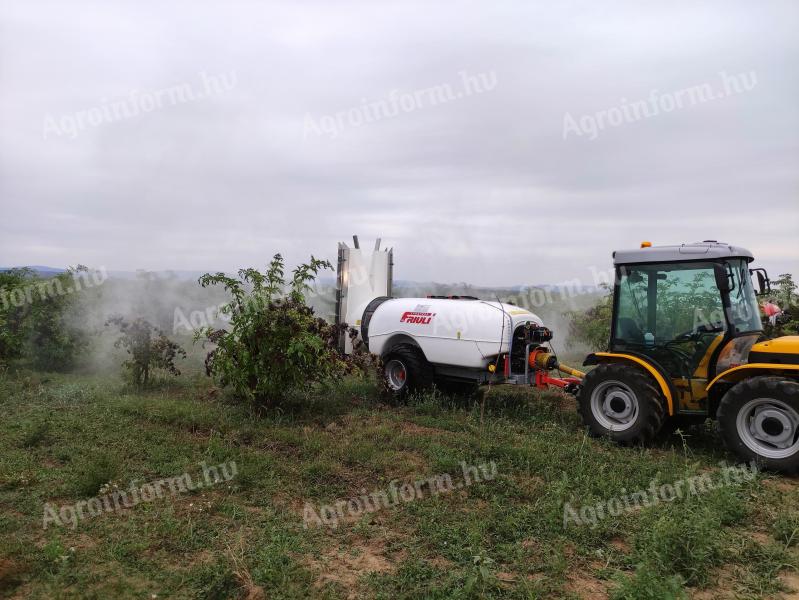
{"type": "Point", "coordinates": [68, 438]}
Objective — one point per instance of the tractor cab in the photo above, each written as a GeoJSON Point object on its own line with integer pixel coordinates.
{"type": "Point", "coordinates": [690, 311]}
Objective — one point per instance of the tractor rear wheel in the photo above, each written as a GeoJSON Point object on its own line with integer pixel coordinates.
{"type": "Point", "coordinates": [621, 402]}
{"type": "Point", "coordinates": [406, 370]}
{"type": "Point", "coordinates": [759, 420]}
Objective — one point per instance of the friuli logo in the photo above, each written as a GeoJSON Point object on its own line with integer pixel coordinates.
{"type": "Point", "coordinates": [418, 318]}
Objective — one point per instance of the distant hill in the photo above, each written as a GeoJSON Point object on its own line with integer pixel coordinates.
{"type": "Point", "coordinates": [404, 287]}
{"type": "Point", "coordinates": [38, 269]}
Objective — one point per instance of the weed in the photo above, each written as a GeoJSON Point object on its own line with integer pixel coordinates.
{"type": "Point", "coordinates": [94, 473]}
{"type": "Point", "coordinates": [647, 584]}
{"type": "Point", "coordinates": [502, 538]}
{"type": "Point", "coordinates": [786, 527]}
{"type": "Point", "coordinates": [35, 434]}
{"type": "Point", "coordinates": [687, 537]}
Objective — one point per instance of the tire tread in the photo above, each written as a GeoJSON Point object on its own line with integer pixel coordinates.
{"type": "Point", "coordinates": [651, 401]}
{"type": "Point", "coordinates": [419, 370]}
{"type": "Point", "coordinates": [739, 394]}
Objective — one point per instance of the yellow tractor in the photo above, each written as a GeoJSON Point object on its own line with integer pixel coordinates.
{"type": "Point", "coordinates": [686, 341]}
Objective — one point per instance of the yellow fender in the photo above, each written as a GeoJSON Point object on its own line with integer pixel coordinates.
{"type": "Point", "coordinates": [736, 374]}
{"type": "Point", "coordinates": [664, 386]}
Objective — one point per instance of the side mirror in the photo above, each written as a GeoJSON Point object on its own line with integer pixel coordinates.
{"type": "Point", "coordinates": [763, 282]}
{"type": "Point", "coordinates": [722, 279]}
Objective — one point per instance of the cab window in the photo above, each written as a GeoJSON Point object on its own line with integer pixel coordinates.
{"type": "Point", "coordinates": [671, 312]}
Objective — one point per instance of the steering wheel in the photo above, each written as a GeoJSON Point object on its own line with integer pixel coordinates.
{"type": "Point", "coordinates": [671, 347]}
{"type": "Point", "coordinates": [693, 334]}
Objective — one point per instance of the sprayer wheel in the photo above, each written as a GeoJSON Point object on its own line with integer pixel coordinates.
{"type": "Point", "coordinates": [406, 370]}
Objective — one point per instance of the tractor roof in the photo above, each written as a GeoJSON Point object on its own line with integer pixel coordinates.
{"type": "Point", "coordinates": [707, 250]}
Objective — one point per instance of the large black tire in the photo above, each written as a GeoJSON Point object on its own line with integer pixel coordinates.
{"type": "Point", "coordinates": [759, 420]}
{"type": "Point", "coordinates": [406, 370]}
{"type": "Point", "coordinates": [621, 402]}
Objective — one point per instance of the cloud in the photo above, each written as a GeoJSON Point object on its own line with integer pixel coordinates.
{"type": "Point", "coordinates": [481, 189]}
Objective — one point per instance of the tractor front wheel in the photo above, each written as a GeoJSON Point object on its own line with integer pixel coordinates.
{"type": "Point", "coordinates": [621, 402]}
{"type": "Point", "coordinates": [759, 420]}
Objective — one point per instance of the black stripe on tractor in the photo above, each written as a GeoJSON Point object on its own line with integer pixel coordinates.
{"type": "Point", "coordinates": [367, 317]}
{"type": "Point", "coordinates": [781, 358]}
{"type": "Point", "coordinates": [714, 358]}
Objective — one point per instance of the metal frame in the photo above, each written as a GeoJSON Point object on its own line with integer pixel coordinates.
{"type": "Point", "coordinates": [341, 293]}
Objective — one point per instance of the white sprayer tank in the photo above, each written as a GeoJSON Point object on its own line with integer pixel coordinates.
{"type": "Point", "coordinates": [466, 333]}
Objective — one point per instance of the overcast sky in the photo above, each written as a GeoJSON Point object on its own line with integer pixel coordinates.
{"type": "Point", "coordinates": [498, 184]}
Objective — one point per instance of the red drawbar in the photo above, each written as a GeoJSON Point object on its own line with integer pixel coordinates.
{"type": "Point", "coordinates": [542, 380]}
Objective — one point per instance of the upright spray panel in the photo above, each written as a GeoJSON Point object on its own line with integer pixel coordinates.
{"type": "Point", "coordinates": [363, 275]}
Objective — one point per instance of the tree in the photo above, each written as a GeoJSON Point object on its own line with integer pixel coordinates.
{"type": "Point", "coordinates": [784, 293]}
{"type": "Point", "coordinates": [58, 335]}
{"type": "Point", "coordinates": [13, 310]}
{"type": "Point", "coordinates": [42, 318]}
{"type": "Point", "coordinates": [275, 344]}
{"type": "Point", "coordinates": [592, 327]}
{"type": "Point", "coordinates": [150, 350]}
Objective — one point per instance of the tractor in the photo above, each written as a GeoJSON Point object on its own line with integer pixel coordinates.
{"type": "Point", "coordinates": [686, 343]}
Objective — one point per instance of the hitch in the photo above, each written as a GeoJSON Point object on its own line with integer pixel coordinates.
{"type": "Point", "coordinates": [541, 362]}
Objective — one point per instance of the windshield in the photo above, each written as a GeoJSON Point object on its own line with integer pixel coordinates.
{"type": "Point", "coordinates": [672, 312]}
{"type": "Point", "coordinates": [662, 302]}
{"type": "Point", "coordinates": [744, 311]}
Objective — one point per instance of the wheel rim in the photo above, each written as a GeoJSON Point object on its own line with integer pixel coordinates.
{"type": "Point", "coordinates": [614, 405]}
{"type": "Point", "coordinates": [396, 374]}
{"type": "Point", "coordinates": [769, 428]}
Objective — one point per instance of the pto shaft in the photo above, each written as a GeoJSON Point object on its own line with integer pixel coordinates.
{"type": "Point", "coordinates": [547, 362]}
